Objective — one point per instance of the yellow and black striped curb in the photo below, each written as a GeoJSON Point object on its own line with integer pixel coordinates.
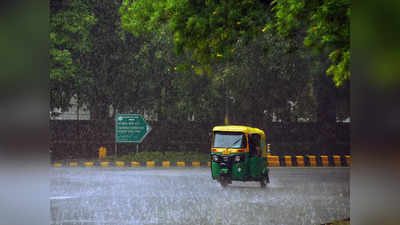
{"type": "Point", "coordinates": [129, 164]}
{"type": "Point", "coordinates": [309, 161]}
{"type": "Point", "coordinates": [272, 161]}
{"type": "Point", "coordinates": [339, 222]}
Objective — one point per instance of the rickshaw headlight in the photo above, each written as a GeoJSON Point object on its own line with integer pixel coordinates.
{"type": "Point", "coordinates": [215, 158]}
{"type": "Point", "coordinates": [237, 158]}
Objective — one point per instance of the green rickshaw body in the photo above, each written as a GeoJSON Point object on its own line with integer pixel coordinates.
{"type": "Point", "coordinates": [239, 171]}
{"type": "Point", "coordinates": [238, 153]}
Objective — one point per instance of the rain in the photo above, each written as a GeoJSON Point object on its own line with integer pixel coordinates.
{"type": "Point", "coordinates": [139, 92]}
{"type": "Point", "coordinates": [189, 196]}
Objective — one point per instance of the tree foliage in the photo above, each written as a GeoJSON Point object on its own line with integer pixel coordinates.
{"type": "Point", "coordinates": [69, 31]}
{"type": "Point", "coordinates": [266, 83]}
{"type": "Point", "coordinates": [109, 77]}
{"type": "Point", "coordinates": [93, 59]}
{"type": "Point", "coordinates": [328, 27]}
{"type": "Point", "coordinates": [211, 29]}
{"type": "Point", "coordinates": [257, 75]}
{"type": "Point", "coordinates": [208, 29]}
{"type": "Point", "coordinates": [70, 22]}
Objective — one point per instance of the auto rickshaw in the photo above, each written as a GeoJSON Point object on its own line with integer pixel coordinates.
{"type": "Point", "coordinates": [238, 153]}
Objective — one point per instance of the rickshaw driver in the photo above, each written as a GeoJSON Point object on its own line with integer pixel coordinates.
{"type": "Point", "coordinates": [258, 151]}
{"type": "Point", "coordinates": [255, 149]}
{"type": "Point", "coordinates": [254, 145]}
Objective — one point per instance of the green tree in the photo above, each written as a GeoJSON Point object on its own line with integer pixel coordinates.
{"type": "Point", "coordinates": [108, 73]}
{"type": "Point", "coordinates": [219, 33]}
{"type": "Point", "coordinates": [327, 33]}
{"type": "Point", "coordinates": [157, 62]}
{"type": "Point", "coordinates": [328, 29]}
{"type": "Point", "coordinates": [208, 29]}
{"type": "Point", "coordinates": [95, 61]}
{"type": "Point", "coordinates": [262, 82]}
{"type": "Point", "coordinates": [70, 22]}
{"type": "Point", "coordinates": [176, 93]}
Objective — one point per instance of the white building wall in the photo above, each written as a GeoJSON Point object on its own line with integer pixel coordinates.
{"type": "Point", "coordinates": [72, 112]}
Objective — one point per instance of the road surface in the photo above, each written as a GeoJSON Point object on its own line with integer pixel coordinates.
{"type": "Point", "coordinates": [118, 196]}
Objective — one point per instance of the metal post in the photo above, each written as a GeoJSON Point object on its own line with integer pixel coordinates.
{"type": "Point", "coordinates": [77, 123]}
{"type": "Point", "coordinates": [137, 148]}
{"type": "Point", "coordinates": [227, 122]}
{"type": "Point", "coordinates": [115, 136]}
{"type": "Point", "coordinates": [226, 116]}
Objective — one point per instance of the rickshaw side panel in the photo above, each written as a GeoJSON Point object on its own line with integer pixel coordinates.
{"type": "Point", "coordinates": [257, 166]}
{"type": "Point", "coordinates": [240, 170]}
{"type": "Point", "coordinates": [215, 170]}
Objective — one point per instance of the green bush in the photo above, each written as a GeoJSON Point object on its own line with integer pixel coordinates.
{"type": "Point", "coordinates": [127, 157]}
{"type": "Point", "coordinates": [111, 158]}
{"type": "Point", "coordinates": [142, 157]}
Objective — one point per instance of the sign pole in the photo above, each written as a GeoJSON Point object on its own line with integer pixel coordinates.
{"type": "Point", "coordinates": [115, 137]}
{"type": "Point", "coordinates": [137, 147]}
{"type": "Point", "coordinates": [116, 149]}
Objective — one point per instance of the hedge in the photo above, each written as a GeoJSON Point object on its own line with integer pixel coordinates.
{"type": "Point", "coordinates": [158, 157]}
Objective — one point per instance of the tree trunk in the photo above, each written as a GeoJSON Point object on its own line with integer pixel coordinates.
{"type": "Point", "coordinates": [99, 111]}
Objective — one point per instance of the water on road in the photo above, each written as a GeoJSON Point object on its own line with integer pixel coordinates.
{"type": "Point", "coordinates": [119, 196]}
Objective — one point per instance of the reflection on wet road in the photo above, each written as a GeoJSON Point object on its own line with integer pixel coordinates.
{"type": "Point", "coordinates": [118, 196]}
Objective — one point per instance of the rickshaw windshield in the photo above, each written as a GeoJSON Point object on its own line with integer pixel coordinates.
{"type": "Point", "coordinates": [229, 140]}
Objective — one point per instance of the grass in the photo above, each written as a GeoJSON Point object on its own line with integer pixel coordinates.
{"type": "Point", "coordinates": [339, 222]}
{"type": "Point", "coordinates": [158, 157]}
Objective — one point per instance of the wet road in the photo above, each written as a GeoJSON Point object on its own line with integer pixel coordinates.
{"type": "Point", "coordinates": [118, 196]}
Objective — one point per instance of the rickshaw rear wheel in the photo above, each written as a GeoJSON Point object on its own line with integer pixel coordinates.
{"type": "Point", "coordinates": [263, 183]}
{"type": "Point", "coordinates": [223, 181]}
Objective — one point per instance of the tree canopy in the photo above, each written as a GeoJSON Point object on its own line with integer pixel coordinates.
{"type": "Point", "coordinates": [120, 56]}
{"type": "Point", "coordinates": [211, 30]}
{"type": "Point", "coordinates": [328, 28]}
{"type": "Point", "coordinates": [69, 31]}
{"type": "Point", "coordinates": [70, 22]}
{"type": "Point", "coordinates": [208, 29]}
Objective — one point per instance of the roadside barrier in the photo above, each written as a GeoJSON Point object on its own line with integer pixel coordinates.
{"type": "Point", "coordinates": [343, 222]}
{"type": "Point", "coordinates": [73, 164]}
{"type": "Point", "coordinates": [150, 163]}
{"type": "Point", "coordinates": [88, 164]}
{"type": "Point", "coordinates": [120, 163]}
{"type": "Point", "coordinates": [180, 164]}
{"type": "Point", "coordinates": [288, 160]}
{"type": "Point", "coordinates": [196, 164]}
{"type": "Point", "coordinates": [348, 160]}
{"type": "Point", "coordinates": [272, 161]}
{"type": "Point", "coordinates": [300, 160]}
{"type": "Point", "coordinates": [312, 160]}
{"type": "Point", "coordinates": [104, 164]}
{"type": "Point", "coordinates": [135, 164]}
{"type": "Point", "coordinates": [324, 160]}
{"type": "Point", "coordinates": [337, 160]}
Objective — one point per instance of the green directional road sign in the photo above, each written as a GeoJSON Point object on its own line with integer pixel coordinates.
{"type": "Point", "coordinates": [130, 128]}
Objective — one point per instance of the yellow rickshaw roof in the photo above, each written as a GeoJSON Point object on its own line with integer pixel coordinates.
{"type": "Point", "coordinates": [236, 128]}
